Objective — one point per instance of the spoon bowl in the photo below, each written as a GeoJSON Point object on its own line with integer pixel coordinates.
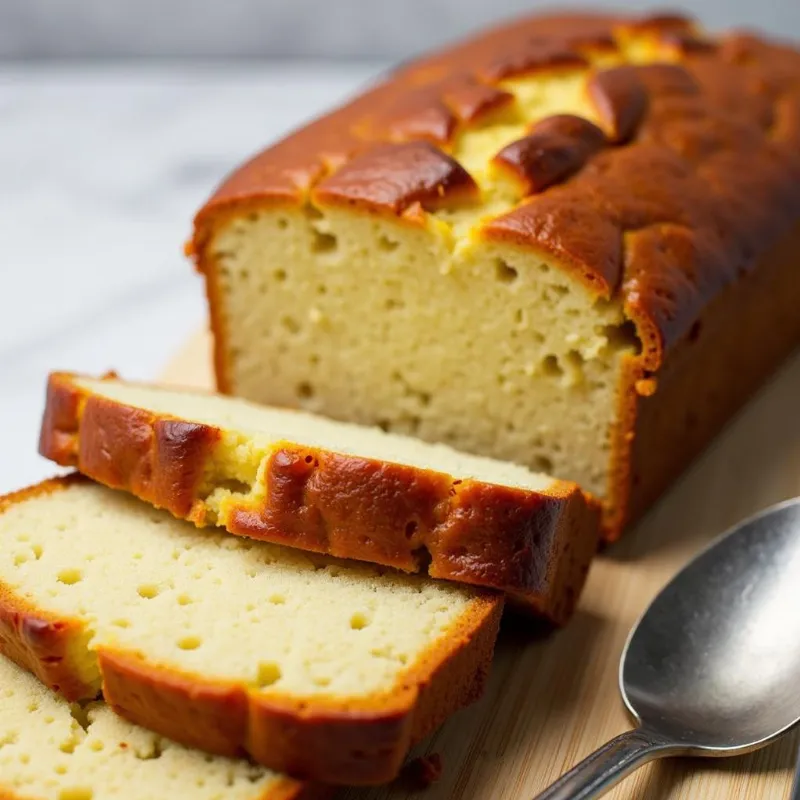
{"type": "Point", "coordinates": [712, 667]}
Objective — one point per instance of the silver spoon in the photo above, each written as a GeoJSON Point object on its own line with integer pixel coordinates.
{"type": "Point", "coordinates": [712, 668]}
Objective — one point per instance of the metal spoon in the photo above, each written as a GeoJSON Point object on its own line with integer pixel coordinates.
{"type": "Point", "coordinates": [712, 668]}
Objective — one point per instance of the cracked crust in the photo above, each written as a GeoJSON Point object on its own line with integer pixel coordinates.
{"type": "Point", "coordinates": [536, 546]}
{"type": "Point", "coordinates": [664, 220]}
{"type": "Point", "coordinates": [329, 739]}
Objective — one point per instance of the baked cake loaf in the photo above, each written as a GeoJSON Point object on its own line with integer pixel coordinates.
{"type": "Point", "coordinates": [330, 487]}
{"type": "Point", "coordinates": [317, 668]}
{"type": "Point", "coordinates": [569, 243]}
{"type": "Point", "coordinates": [50, 750]}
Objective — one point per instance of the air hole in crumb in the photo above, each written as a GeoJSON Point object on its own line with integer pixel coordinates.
{"type": "Point", "coordinates": [622, 337]}
{"type": "Point", "coordinates": [268, 673]}
{"type": "Point", "coordinates": [359, 620]}
{"type": "Point", "coordinates": [560, 290]}
{"type": "Point", "coordinates": [322, 682]}
{"type": "Point", "coordinates": [279, 275]}
{"type": "Point", "coordinates": [291, 324]}
{"type": "Point", "coordinates": [148, 591]}
{"type": "Point", "coordinates": [411, 528]}
{"type": "Point", "coordinates": [233, 486]}
{"type": "Point", "coordinates": [70, 576]}
{"type": "Point", "coordinates": [386, 244]}
{"type": "Point", "coordinates": [543, 464]}
{"type": "Point", "coordinates": [277, 599]}
{"type": "Point", "coordinates": [121, 623]}
{"type": "Point", "coordinates": [392, 303]}
{"type": "Point", "coordinates": [60, 769]}
{"type": "Point", "coordinates": [283, 223]}
{"type": "Point", "coordinates": [384, 425]}
{"type": "Point", "coordinates": [550, 366]}
{"type": "Point", "coordinates": [544, 269]}
{"type": "Point", "coordinates": [97, 745]}
{"type": "Point", "coordinates": [322, 289]}
{"type": "Point", "coordinates": [184, 600]}
{"type": "Point", "coordinates": [323, 242]}
{"type": "Point", "coordinates": [520, 317]}
{"type": "Point", "coordinates": [190, 642]}
{"type": "Point", "coordinates": [305, 390]}
{"type": "Point", "coordinates": [504, 272]}
{"type": "Point", "coordinates": [67, 747]}
{"type": "Point", "coordinates": [313, 359]}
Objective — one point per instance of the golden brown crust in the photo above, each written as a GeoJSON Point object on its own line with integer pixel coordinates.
{"type": "Point", "coordinates": [620, 97]}
{"type": "Point", "coordinates": [663, 224]}
{"type": "Point", "coordinates": [324, 738]}
{"type": "Point", "coordinates": [556, 148]}
{"type": "Point", "coordinates": [743, 335]}
{"type": "Point", "coordinates": [535, 545]}
{"type": "Point", "coordinates": [353, 741]}
{"type": "Point", "coordinates": [397, 178]}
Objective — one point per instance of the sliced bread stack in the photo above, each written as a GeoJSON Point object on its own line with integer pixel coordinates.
{"type": "Point", "coordinates": [278, 651]}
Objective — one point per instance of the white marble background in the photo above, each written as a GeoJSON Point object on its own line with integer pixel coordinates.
{"type": "Point", "coordinates": [101, 169]}
{"type": "Point", "coordinates": [309, 28]}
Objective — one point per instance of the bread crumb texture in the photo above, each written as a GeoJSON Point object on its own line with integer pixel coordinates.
{"type": "Point", "coordinates": [281, 622]}
{"type": "Point", "coordinates": [51, 750]}
{"type": "Point", "coordinates": [370, 319]}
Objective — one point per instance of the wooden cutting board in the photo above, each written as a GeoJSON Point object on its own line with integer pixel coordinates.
{"type": "Point", "coordinates": [552, 700]}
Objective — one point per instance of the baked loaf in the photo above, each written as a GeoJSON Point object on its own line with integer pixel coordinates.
{"type": "Point", "coordinates": [317, 668]}
{"type": "Point", "coordinates": [50, 750]}
{"type": "Point", "coordinates": [569, 243]}
{"type": "Point", "coordinates": [325, 486]}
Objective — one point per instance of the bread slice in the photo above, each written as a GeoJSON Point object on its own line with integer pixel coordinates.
{"type": "Point", "coordinates": [50, 750]}
{"type": "Point", "coordinates": [318, 668]}
{"type": "Point", "coordinates": [309, 482]}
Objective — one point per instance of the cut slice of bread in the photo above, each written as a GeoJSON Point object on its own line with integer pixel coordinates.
{"type": "Point", "coordinates": [298, 479]}
{"type": "Point", "coordinates": [50, 750]}
{"type": "Point", "coordinates": [319, 668]}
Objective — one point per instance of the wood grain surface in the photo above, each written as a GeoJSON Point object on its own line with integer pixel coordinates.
{"type": "Point", "coordinates": [553, 699]}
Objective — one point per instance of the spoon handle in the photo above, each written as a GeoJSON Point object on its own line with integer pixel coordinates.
{"type": "Point", "coordinates": [604, 768]}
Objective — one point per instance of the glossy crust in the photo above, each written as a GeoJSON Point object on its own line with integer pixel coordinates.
{"type": "Point", "coordinates": [663, 221]}
{"type": "Point", "coordinates": [326, 738]}
{"type": "Point", "coordinates": [536, 546]}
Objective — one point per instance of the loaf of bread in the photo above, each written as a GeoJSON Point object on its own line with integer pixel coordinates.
{"type": "Point", "coordinates": [320, 669]}
{"type": "Point", "coordinates": [569, 243]}
{"type": "Point", "coordinates": [50, 750]}
{"type": "Point", "coordinates": [331, 487]}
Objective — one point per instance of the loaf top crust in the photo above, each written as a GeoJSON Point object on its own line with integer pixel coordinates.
{"type": "Point", "coordinates": [689, 167]}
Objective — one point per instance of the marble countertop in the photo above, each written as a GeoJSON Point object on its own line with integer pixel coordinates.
{"type": "Point", "coordinates": [101, 170]}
